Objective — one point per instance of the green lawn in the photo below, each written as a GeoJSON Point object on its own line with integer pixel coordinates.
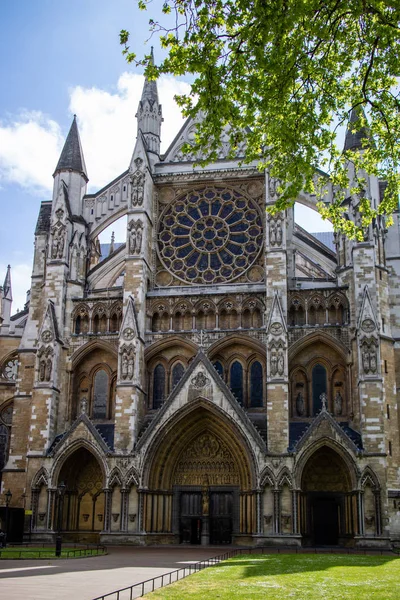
{"type": "Point", "coordinates": [292, 577]}
{"type": "Point", "coordinates": [47, 552]}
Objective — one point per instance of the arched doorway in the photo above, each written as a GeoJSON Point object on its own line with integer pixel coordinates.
{"type": "Point", "coordinates": [328, 503]}
{"type": "Point", "coordinates": [200, 481]}
{"type": "Point", "coordinates": [82, 505]}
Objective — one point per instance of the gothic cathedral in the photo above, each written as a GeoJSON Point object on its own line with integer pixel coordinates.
{"type": "Point", "coordinates": [222, 377]}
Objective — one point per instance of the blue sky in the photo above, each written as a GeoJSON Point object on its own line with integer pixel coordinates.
{"type": "Point", "coordinates": [58, 58]}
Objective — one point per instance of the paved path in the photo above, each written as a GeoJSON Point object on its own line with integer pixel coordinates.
{"type": "Point", "coordinates": [86, 578]}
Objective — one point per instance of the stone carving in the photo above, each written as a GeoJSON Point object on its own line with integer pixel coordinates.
{"type": "Point", "coordinates": [281, 362]}
{"type": "Point", "coordinates": [338, 404]}
{"type": "Point", "coordinates": [132, 517]}
{"type": "Point", "coordinates": [324, 401]}
{"type": "Point", "coordinates": [275, 231]}
{"type": "Point", "coordinates": [369, 357]}
{"type": "Point", "coordinates": [274, 363]}
{"type": "Point", "coordinates": [47, 336]}
{"type": "Point", "coordinates": [84, 406]}
{"type": "Point", "coordinates": [58, 241]}
{"type": "Point", "coordinates": [200, 380]}
{"type": "Point", "coordinates": [128, 333]}
{"type": "Point", "coordinates": [368, 325]}
{"type": "Point", "coordinates": [137, 185]}
{"type": "Point", "coordinates": [300, 404]}
{"type": "Point", "coordinates": [45, 356]}
{"type": "Point", "coordinates": [205, 501]}
{"type": "Point", "coordinates": [276, 328]}
{"type": "Point", "coordinates": [135, 235]}
{"type": "Point", "coordinates": [127, 363]}
{"type": "Point", "coordinates": [273, 185]}
{"type": "Point", "coordinates": [268, 519]}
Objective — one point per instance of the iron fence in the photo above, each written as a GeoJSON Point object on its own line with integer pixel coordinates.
{"type": "Point", "coordinates": [138, 590]}
{"type": "Point", "coordinates": [75, 552]}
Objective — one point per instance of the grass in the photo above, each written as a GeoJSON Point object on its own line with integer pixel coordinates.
{"type": "Point", "coordinates": [32, 552]}
{"type": "Point", "coordinates": [291, 577]}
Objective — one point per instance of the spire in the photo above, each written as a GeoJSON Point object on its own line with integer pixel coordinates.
{"type": "Point", "coordinates": [149, 114]}
{"type": "Point", "coordinates": [355, 141]}
{"type": "Point", "coordinates": [112, 244]}
{"type": "Point", "coordinates": [7, 292]}
{"type": "Point", "coordinates": [71, 158]}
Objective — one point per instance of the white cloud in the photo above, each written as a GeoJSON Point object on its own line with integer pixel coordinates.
{"type": "Point", "coordinates": [20, 282]}
{"type": "Point", "coordinates": [107, 123]}
{"type": "Point", "coordinates": [29, 148]}
{"type": "Point", "coordinates": [30, 143]}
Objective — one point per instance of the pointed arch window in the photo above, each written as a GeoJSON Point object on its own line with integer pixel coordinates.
{"type": "Point", "coordinates": [219, 368]}
{"type": "Point", "coordinates": [158, 386]}
{"type": "Point", "coordinates": [237, 381]}
{"type": "Point", "coordinates": [256, 384]}
{"type": "Point", "coordinates": [100, 395]}
{"type": "Point", "coordinates": [319, 386]}
{"type": "Point", "coordinates": [177, 374]}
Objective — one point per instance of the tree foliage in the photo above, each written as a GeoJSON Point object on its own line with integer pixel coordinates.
{"type": "Point", "coordinates": [285, 75]}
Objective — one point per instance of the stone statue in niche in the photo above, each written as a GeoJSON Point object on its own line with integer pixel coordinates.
{"type": "Point", "coordinates": [281, 363]}
{"type": "Point", "coordinates": [279, 233]}
{"type": "Point", "coordinates": [365, 359]}
{"type": "Point", "coordinates": [57, 245]}
{"type": "Point", "coordinates": [300, 404]}
{"type": "Point", "coordinates": [372, 360]}
{"type": "Point", "coordinates": [83, 406]}
{"type": "Point", "coordinates": [49, 367]}
{"type": "Point", "coordinates": [338, 404]}
{"type": "Point", "coordinates": [42, 370]}
{"type": "Point", "coordinates": [124, 366]}
{"type": "Point", "coordinates": [272, 233]}
{"type": "Point", "coordinates": [135, 236]}
{"type": "Point", "coordinates": [205, 500]}
{"type": "Point", "coordinates": [130, 367]}
{"type": "Point", "coordinates": [274, 363]}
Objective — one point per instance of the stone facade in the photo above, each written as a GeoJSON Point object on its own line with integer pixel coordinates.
{"type": "Point", "coordinates": [223, 376]}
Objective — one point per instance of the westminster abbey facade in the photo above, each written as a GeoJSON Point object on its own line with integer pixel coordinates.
{"type": "Point", "coordinates": [222, 377]}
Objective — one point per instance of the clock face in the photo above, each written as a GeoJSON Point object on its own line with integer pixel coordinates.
{"type": "Point", "coordinates": [10, 369]}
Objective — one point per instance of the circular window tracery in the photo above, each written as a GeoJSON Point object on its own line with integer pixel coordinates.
{"type": "Point", "coordinates": [211, 235]}
{"type": "Point", "coordinates": [9, 369]}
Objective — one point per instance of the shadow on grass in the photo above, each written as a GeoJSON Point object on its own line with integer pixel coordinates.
{"type": "Point", "coordinates": [261, 565]}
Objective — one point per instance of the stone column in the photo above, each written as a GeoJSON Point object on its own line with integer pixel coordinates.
{"type": "Point", "coordinates": [277, 511]}
{"type": "Point", "coordinates": [124, 509]}
{"type": "Point", "coordinates": [107, 510]}
{"type": "Point", "coordinates": [295, 515]}
{"type": "Point", "coordinates": [51, 494]}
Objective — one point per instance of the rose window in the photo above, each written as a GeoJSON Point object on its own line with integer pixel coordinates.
{"type": "Point", "coordinates": [210, 235]}
{"type": "Point", "coordinates": [9, 369]}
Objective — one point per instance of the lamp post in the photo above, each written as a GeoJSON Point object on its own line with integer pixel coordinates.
{"type": "Point", "coordinates": [8, 496]}
{"type": "Point", "coordinates": [60, 497]}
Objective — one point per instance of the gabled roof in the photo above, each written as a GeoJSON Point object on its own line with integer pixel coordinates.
{"type": "Point", "coordinates": [71, 157]}
{"type": "Point", "coordinates": [43, 222]}
{"type": "Point", "coordinates": [243, 417]}
{"type": "Point", "coordinates": [83, 418]}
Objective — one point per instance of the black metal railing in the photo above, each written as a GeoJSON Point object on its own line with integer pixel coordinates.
{"type": "Point", "coordinates": [137, 590]}
{"type": "Point", "coordinates": [24, 551]}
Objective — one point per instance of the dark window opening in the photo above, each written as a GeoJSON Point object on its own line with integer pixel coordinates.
{"type": "Point", "coordinates": [237, 381]}
{"type": "Point", "coordinates": [256, 385]}
{"type": "Point", "coordinates": [100, 395]}
{"type": "Point", "coordinates": [158, 386]}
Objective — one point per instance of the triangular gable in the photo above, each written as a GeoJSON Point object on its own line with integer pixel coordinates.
{"type": "Point", "coordinates": [82, 428]}
{"type": "Point", "coordinates": [276, 318]}
{"type": "Point", "coordinates": [324, 425]}
{"type": "Point", "coordinates": [139, 154]}
{"type": "Point", "coordinates": [367, 321]}
{"type": "Point", "coordinates": [49, 328]}
{"type": "Point", "coordinates": [130, 327]}
{"type": "Point", "coordinates": [201, 380]}
{"type": "Point", "coordinates": [186, 136]}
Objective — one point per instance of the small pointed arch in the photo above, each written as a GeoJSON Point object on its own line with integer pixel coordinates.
{"type": "Point", "coordinates": [267, 478]}
{"type": "Point", "coordinates": [256, 383]}
{"type": "Point", "coordinates": [62, 454]}
{"type": "Point", "coordinates": [40, 479]}
{"type": "Point", "coordinates": [115, 478]}
{"type": "Point", "coordinates": [116, 316]}
{"type": "Point", "coordinates": [347, 456]}
{"type": "Point", "coordinates": [177, 371]}
{"type": "Point", "coordinates": [86, 349]}
{"type": "Point", "coordinates": [81, 319]}
{"type": "Point", "coordinates": [99, 319]}
{"type": "Point", "coordinates": [236, 379]}
{"type": "Point", "coordinates": [313, 338]}
{"type": "Point", "coordinates": [131, 478]}
{"type": "Point", "coordinates": [368, 477]}
{"type": "Point", "coordinates": [284, 478]}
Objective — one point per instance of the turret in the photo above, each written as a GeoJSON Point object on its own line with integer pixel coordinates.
{"type": "Point", "coordinates": [71, 169]}
{"type": "Point", "coordinates": [6, 301]}
{"type": "Point", "coordinates": [149, 114]}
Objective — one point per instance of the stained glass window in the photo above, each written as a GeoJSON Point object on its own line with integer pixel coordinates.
{"type": "Point", "coordinates": [158, 386]}
{"type": "Point", "coordinates": [100, 395]}
{"type": "Point", "coordinates": [256, 384]}
{"type": "Point", "coordinates": [219, 368]}
{"type": "Point", "coordinates": [177, 373]}
{"type": "Point", "coordinates": [237, 381]}
{"type": "Point", "coordinates": [318, 386]}
{"type": "Point", "coordinates": [205, 240]}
